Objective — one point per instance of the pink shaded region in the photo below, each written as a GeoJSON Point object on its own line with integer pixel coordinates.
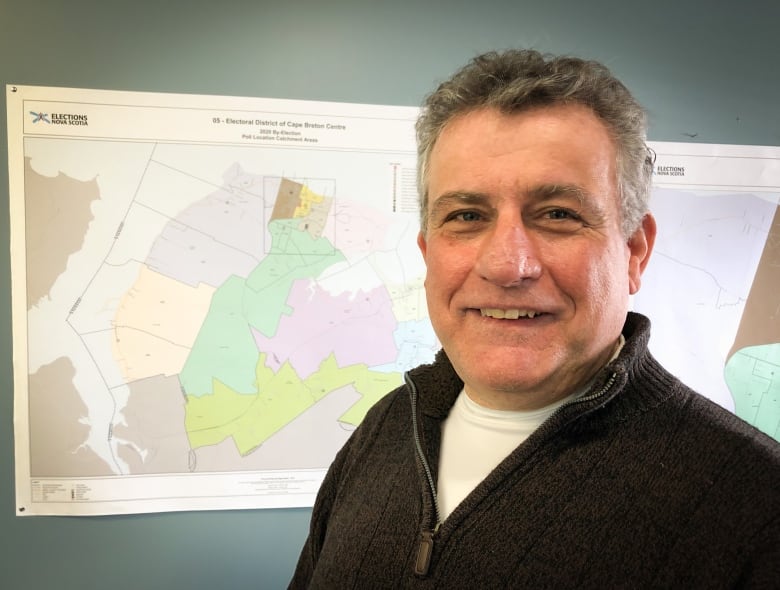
{"type": "Point", "coordinates": [356, 327]}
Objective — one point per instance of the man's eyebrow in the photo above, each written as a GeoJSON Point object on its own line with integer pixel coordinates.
{"type": "Point", "coordinates": [588, 204]}
{"type": "Point", "coordinates": [544, 192]}
{"type": "Point", "coordinates": [540, 192]}
{"type": "Point", "coordinates": [449, 200]}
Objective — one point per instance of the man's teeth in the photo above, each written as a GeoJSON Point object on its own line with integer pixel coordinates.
{"type": "Point", "coordinates": [507, 314]}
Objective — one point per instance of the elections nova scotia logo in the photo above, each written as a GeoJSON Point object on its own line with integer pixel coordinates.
{"type": "Point", "coordinates": [59, 118]}
{"type": "Point", "coordinates": [38, 117]}
{"type": "Point", "coordinates": [669, 171]}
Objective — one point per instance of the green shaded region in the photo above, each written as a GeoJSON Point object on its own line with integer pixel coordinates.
{"type": "Point", "coordinates": [753, 376]}
{"type": "Point", "coordinates": [294, 255]}
{"type": "Point", "coordinates": [225, 349]}
{"type": "Point", "coordinates": [251, 419]}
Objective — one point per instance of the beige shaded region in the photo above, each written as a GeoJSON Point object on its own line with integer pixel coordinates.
{"type": "Point", "coordinates": [154, 428]}
{"type": "Point", "coordinates": [56, 434]}
{"type": "Point", "coordinates": [288, 198]}
{"type": "Point", "coordinates": [317, 217]}
{"type": "Point", "coordinates": [760, 322]}
{"type": "Point", "coordinates": [57, 215]}
{"type": "Point", "coordinates": [156, 324]}
{"type": "Point", "coordinates": [297, 201]}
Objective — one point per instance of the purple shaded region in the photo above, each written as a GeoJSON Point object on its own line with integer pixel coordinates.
{"type": "Point", "coordinates": [355, 327]}
{"type": "Point", "coordinates": [192, 257]}
{"type": "Point", "coordinates": [218, 236]}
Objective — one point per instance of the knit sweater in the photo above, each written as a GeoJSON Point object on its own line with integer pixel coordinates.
{"type": "Point", "coordinates": [640, 483]}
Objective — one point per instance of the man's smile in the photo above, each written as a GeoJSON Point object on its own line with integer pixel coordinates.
{"type": "Point", "coordinates": [508, 314]}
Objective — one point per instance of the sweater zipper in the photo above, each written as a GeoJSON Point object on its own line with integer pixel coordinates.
{"type": "Point", "coordinates": [586, 398]}
{"type": "Point", "coordinates": [425, 548]}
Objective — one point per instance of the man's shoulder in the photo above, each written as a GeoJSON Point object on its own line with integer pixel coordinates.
{"type": "Point", "coordinates": [707, 447]}
{"type": "Point", "coordinates": [669, 403]}
{"type": "Point", "coordinates": [393, 402]}
{"type": "Point", "coordinates": [722, 429]}
{"type": "Point", "coordinates": [390, 414]}
{"type": "Point", "coordinates": [693, 437]}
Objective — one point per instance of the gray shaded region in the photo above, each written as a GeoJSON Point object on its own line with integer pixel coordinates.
{"type": "Point", "coordinates": [154, 427]}
{"type": "Point", "coordinates": [57, 435]}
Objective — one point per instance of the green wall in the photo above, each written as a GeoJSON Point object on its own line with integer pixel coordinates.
{"type": "Point", "coordinates": [705, 69]}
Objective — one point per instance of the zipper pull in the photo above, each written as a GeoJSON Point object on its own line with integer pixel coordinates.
{"type": "Point", "coordinates": [424, 553]}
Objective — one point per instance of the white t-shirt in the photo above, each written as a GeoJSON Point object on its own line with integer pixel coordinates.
{"type": "Point", "coordinates": [475, 439]}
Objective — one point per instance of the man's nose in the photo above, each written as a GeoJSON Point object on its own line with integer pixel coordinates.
{"type": "Point", "coordinates": [508, 256]}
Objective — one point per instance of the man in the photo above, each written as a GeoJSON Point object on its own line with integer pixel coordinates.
{"type": "Point", "coordinates": [545, 447]}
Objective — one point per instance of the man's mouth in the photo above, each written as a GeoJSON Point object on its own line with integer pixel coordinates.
{"type": "Point", "coordinates": [508, 314]}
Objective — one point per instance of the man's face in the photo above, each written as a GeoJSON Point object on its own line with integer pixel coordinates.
{"type": "Point", "coordinates": [528, 273]}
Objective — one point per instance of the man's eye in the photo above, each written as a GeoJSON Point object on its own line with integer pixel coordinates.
{"type": "Point", "coordinates": [561, 214]}
{"type": "Point", "coordinates": [466, 216]}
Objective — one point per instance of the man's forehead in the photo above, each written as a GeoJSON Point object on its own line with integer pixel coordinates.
{"type": "Point", "coordinates": [490, 129]}
{"type": "Point", "coordinates": [542, 152]}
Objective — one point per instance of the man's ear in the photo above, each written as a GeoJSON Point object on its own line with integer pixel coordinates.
{"type": "Point", "coordinates": [640, 246]}
{"type": "Point", "coordinates": [422, 244]}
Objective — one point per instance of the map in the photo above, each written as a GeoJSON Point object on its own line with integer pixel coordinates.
{"type": "Point", "coordinates": [210, 292]}
{"type": "Point", "coordinates": [711, 290]}
{"type": "Point", "coordinates": [222, 310]}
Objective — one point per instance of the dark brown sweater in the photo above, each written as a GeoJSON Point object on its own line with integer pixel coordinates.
{"type": "Point", "coordinates": [642, 483]}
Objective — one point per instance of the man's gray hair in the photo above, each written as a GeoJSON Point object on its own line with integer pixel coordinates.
{"type": "Point", "coordinates": [518, 80]}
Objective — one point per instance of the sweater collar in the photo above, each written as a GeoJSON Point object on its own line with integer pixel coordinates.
{"type": "Point", "coordinates": [439, 384]}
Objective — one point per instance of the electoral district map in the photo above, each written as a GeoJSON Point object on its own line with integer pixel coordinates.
{"type": "Point", "coordinates": [210, 292]}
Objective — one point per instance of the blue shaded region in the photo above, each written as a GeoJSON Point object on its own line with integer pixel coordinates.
{"type": "Point", "coordinates": [416, 343]}
{"type": "Point", "coordinates": [753, 377]}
